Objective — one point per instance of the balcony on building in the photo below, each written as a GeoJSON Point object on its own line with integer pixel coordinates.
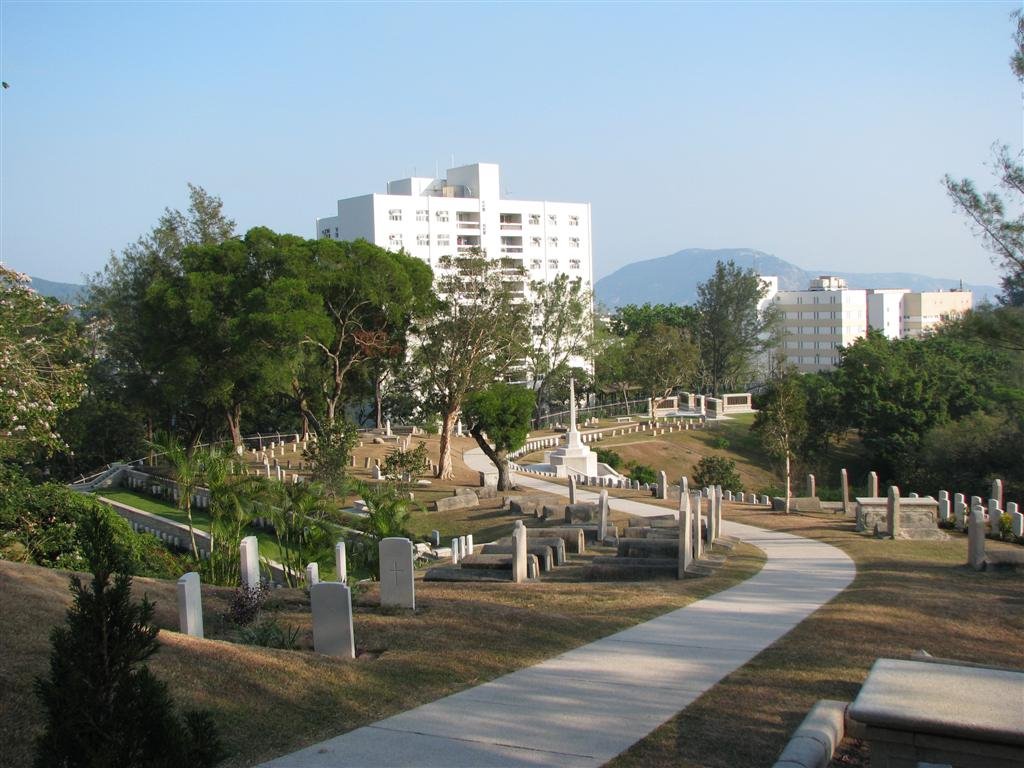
{"type": "Point", "coordinates": [511, 244]}
{"type": "Point", "coordinates": [511, 221]}
{"type": "Point", "coordinates": [467, 220]}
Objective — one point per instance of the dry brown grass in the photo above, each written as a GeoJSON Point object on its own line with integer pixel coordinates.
{"type": "Point", "coordinates": [268, 702]}
{"type": "Point", "coordinates": [907, 596]}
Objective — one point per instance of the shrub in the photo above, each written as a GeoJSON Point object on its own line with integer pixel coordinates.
{"type": "Point", "coordinates": [269, 634]}
{"type": "Point", "coordinates": [331, 454]}
{"type": "Point", "coordinates": [102, 705]}
{"type": "Point", "coordinates": [643, 474]}
{"type": "Point", "coordinates": [415, 462]}
{"type": "Point", "coordinates": [717, 470]}
{"type": "Point", "coordinates": [609, 457]}
{"type": "Point", "coordinates": [246, 604]}
{"type": "Point", "coordinates": [720, 443]}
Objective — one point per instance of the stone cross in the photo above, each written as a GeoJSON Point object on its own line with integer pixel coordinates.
{"type": "Point", "coordinates": [685, 533]}
{"type": "Point", "coordinates": [397, 585]}
{"type": "Point", "coordinates": [249, 549]}
{"type": "Point", "coordinates": [312, 574]}
{"type": "Point", "coordinates": [997, 492]}
{"type": "Point", "coordinates": [873, 484]}
{"type": "Point", "coordinates": [812, 490]}
{"type": "Point", "coordinates": [519, 552]}
{"type": "Point", "coordinates": [662, 485]}
{"type": "Point", "coordinates": [190, 605]}
{"type": "Point", "coordinates": [976, 538]}
{"type": "Point", "coordinates": [331, 603]}
{"type": "Point", "coordinates": [602, 516]}
{"type": "Point", "coordinates": [572, 489]}
{"type": "Point", "coordinates": [340, 562]}
{"type": "Point", "coordinates": [845, 481]}
{"type": "Point", "coordinates": [892, 511]}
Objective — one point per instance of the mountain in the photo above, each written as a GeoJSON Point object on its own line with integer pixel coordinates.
{"type": "Point", "coordinates": [673, 279]}
{"type": "Point", "coordinates": [69, 293]}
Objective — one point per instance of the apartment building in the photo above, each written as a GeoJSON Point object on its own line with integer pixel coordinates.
{"type": "Point", "coordinates": [817, 322]}
{"type": "Point", "coordinates": [885, 310]}
{"type": "Point", "coordinates": [431, 218]}
{"type": "Point", "coordinates": [920, 312]}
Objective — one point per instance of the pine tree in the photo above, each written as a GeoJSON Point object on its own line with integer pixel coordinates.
{"type": "Point", "coordinates": [103, 706]}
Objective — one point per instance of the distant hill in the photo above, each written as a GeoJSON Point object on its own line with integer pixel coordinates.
{"type": "Point", "coordinates": [673, 279]}
{"type": "Point", "coordinates": [69, 293]}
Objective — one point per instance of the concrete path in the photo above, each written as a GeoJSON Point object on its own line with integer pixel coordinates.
{"type": "Point", "coordinates": [586, 706]}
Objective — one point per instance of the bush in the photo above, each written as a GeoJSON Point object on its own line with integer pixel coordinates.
{"type": "Point", "coordinates": [643, 474]}
{"type": "Point", "coordinates": [720, 443]}
{"type": "Point", "coordinates": [269, 634]}
{"type": "Point", "coordinates": [246, 604]}
{"type": "Point", "coordinates": [415, 462]}
{"type": "Point", "coordinates": [331, 455]}
{"type": "Point", "coordinates": [717, 470]}
{"type": "Point", "coordinates": [609, 457]}
{"type": "Point", "coordinates": [102, 706]}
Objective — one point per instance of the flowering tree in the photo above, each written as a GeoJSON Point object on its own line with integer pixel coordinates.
{"type": "Point", "coordinates": [40, 373]}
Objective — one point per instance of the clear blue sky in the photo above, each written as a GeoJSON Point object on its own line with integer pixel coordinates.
{"type": "Point", "coordinates": [817, 132]}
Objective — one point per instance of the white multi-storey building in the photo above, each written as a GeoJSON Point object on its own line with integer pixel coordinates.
{"type": "Point", "coordinates": [885, 309]}
{"type": "Point", "coordinates": [431, 218]}
{"type": "Point", "coordinates": [816, 322]}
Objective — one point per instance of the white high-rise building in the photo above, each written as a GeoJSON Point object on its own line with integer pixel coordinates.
{"type": "Point", "coordinates": [431, 218]}
{"type": "Point", "coordinates": [885, 309]}
{"type": "Point", "coordinates": [816, 322]}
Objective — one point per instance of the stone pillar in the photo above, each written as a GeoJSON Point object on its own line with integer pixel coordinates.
{"type": "Point", "coordinates": [685, 531]}
{"type": "Point", "coordinates": [712, 532]}
{"type": "Point", "coordinates": [892, 512]}
{"type": "Point", "coordinates": [960, 511]}
{"type": "Point", "coordinates": [812, 489]}
{"type": "Point", "coordinates": [519, 553]}
{"type": "Point", "coordinates": [845, 482]}
{"type": "Point", "coordinates": [462, 547]}
{"type": "Point", "coordinates": [602, 516]}
{"type": "Point", "coordinates": [873, 484]}
{"type": "Point", "coordinates": [249, 550]}
{"type": "Point", "coordinates": [397, 585]}
{"type": "Point", "coordinates": [331, 603]}
{"type": "Point", "coordinates": [341, 562]}
{"type": "Point", "coordinates": [572, 489]}
{"type": "Point", "coordinates": [662, 485]}
{"type": "Point", "coordinates": [190, 605]}
{"type": "Point", "coordinates": [944, 506]}
{"type": "Point", "coordinates": [976, 539]}
{"type": "Point", "coordinates": [312, 574]}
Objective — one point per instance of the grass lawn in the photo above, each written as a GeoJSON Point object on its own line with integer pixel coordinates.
{"type": "Point", "coordinates": [267, 702]}
{"type": "Point", "coordinates": [907, 596]}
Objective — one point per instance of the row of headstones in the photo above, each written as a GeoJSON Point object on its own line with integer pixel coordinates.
{"type": "Point", "coordinates": [691, 544]}
{"type": "Point", "coordinates": [957, 511]}
{"type": "Point", "coordinates": [178, 542]}
{"type": "Point", "coordinates": [163, 488]}
{"type": "Point", "coordinates": [330, 601]}
{"type": "Point", "coordinates": [278, 448]}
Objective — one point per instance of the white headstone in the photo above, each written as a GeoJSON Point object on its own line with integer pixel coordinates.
{"type": "Point", "coordinates": [892, 512]}
{"type": "Point", "coordinates": [249, 550]}
{"type": "Point", "coordinates": [873, 484]}
{"type": "Point", "coordinates": [685, 534]}
{"type": "Point", "coordinates": [698, 543]}
{"type": "Point", "coordinates": [572, 489]}
{"type": "Point", "coordinates": [1016, 519]}
{"type": "Point", "coordinates": [312, 574]}
{"type": "Point", "coordinates": [662, 485]}
{"type": "Point", "coordinates": [812, 488]}
{"type": "Point", "coordinates": [331, 603]}
{"type": "Point", "coordinates": [994, 515]}
{"type": "Point", "coordinates": [976, 539]}
{"type": "Point", "coordinates": [376, 474]}
{"type": "Point", "coordinates": [397, 585]}
{"type": "Point", "coordinates": [997, 492]}
{"type": "Point", "coordinates": [341, 562]}
{"type": "Point", "coordinates": [455, 551]}
{"type": "Point", "coordinates": [387, 428]}
{"type": "Point", "coordinates": [469, 543]}
{"type": "Point", "coordinates": [844, 481]}
{"type": "Point", "coordinates": [190, 605]}
{"type": "Point", "coordinates": [519, 553]}
{"type": "Point", "coordinates": [960, 511]}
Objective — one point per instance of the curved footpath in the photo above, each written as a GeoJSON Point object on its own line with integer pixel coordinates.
{"type": "Point", "coordinates": [586, 706]}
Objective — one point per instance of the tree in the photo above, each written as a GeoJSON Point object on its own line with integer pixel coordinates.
{"type": "Point", "coordinates": [477, 336]}
{"type": "Point", "coordinates": [782, 422]}
{"type": "Point", "coordinates": [186, 470]}
{"type": "Point", "coordinates": [731, 330]}
{"type": "Point", "coordinates": [717, 470]}
{"type": "Point", "coordinates": [562, 332]}
{"type": "Point", "coordinates": [662, 360]}
{"type": "Point", "coordinates": [632, 320]}
{"type": "Point", "coordinates": [103, 707]}
{"type": "Point", "coordinates": [302, 517]}
{"type": "Point", "coordinates": [234, 498]}
{"type": "Point", "coordinates": [502, 411]}
{"type": "Point", "coordinates": [41, 373]}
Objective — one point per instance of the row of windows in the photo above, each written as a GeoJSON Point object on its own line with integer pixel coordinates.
{"type": "Point", "coordinates": [443, 240]}
{"type": "Point", "coordinates": [812, 345]}
{"type": "Point", "coordinates": [822, 315]}
{"type": "Point", "coordinates": [395, 214]}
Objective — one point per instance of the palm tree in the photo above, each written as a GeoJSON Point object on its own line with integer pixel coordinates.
{"type": "Point", "coordinates": [234, 499]}
{"type": "Point", "coordinates": [186, 470]}
{"type": "Point", "coordinates": [302, 516]}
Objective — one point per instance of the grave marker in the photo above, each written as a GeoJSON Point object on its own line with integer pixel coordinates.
{"type": "Point", "coordinates": [519, 553]}
{"type": "Point", "coordinates": [190, 605]}
{"type": "Point", "coordinates": [997, 492]}
{"type": "Point", "coordinates": [312, 574]}
{"type": "Point", "coordinates": [397, 585]}
{"type": "Point", "coordinates": [960, 511]}
{"type": "Point", "coordinates": [341, 562]}
{"type": "Point", "coordinates": [873, 484]}
{"type": "Point", "coordinates": [976, 539]}
{"type": "Point", "coordinates": [943, 506]}
{"type": "Point", "coordinates": [572, 489]}
{"type": "Point", "coordinates": [892, 511]}
{"type": "Point", "coordinates": [685, 531]}
{"type": "Point", "coordinates": [249, 550]}
{"type": "Point", "coordinates": [331, 603]}
{"type": "Point", "coordinates": [602, 512]}
{"type": "Point", "coordinates": [812, 490]}
{"type": "Point", "coordinates": [845, 481]}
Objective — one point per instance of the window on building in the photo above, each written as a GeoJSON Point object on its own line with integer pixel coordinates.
{"type": "Point", "coordinates": [395, 214]}
{"type": "Point", "coordinates": [422, 215]}
{"type": "Point", "coordinates": [335, 233]}
{"type": "Point", "coordinates": [574, 263]}
{"type": "Point", "coordinates": [535, 263]}
{"type": "Point", "coordinates": [395, 241]}
{"type": "Point", "coordinates": [553, 242]}
{"type": "Point", "coordinates": [325, 232]}
{"type": "Point", "coordinates": [443, 240]}
{"type": "Point", "coordinates": [535, 219]}
{"type": "Point", "coordinates": [574, 221]}
{"type": "Point", "coordinates": [574, 242]}
{"type": "Point", "coordinates": [535, 242]}
{"type": "Point", "coordinates": [552, 263]}
{"type": "Point", "coordinates": [552, 218]}
{"type": "Point", "coordinates": [422, 239]}
{"type": "Point", "coordinates": [441, 215]}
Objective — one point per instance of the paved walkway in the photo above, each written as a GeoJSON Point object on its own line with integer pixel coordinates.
{"type": "Point", "coordinates": [586, 706]}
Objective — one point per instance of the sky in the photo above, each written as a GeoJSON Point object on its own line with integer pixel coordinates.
{"type": "Point", "coordinates": [817, 132]}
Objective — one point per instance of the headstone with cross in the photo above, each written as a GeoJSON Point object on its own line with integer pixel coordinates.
{"type": "Point", "coordinates": [397, 587]}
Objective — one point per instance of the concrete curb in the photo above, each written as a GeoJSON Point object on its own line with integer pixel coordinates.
{"type": "Point", "coordinates": [815, 740]}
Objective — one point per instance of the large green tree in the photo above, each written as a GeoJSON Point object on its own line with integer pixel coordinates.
{"type": "Point", "coordinates": [476, 337]}
{"type": "Point", "coordinates": [731, 331]}
{"type": "Point", "coordinates": [499, 421]}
